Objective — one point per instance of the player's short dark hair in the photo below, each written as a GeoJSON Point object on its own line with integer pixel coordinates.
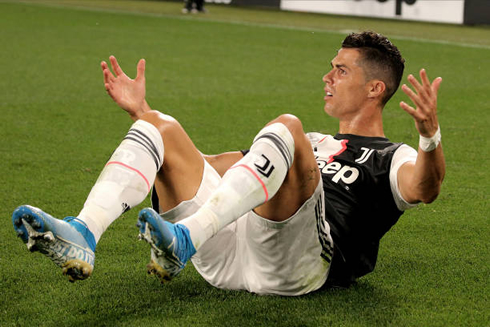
{"type": "Point", "coordinates": [380, 59]}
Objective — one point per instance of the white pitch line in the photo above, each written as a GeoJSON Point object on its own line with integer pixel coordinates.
{"type": "Point", "coordinates": [443, 42]}
{"type": "Point", "coordinates": [252, 24]}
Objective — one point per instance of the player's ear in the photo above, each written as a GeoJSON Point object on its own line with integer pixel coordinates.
{"type": "Point", "coordinates": [376, 88]}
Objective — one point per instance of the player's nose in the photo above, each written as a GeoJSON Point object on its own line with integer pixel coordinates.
{"type": "Point", "coordinates": [327, 77]}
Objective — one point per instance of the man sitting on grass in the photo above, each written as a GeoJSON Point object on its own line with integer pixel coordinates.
{"type": "Point", "coordinates": [293, 213]}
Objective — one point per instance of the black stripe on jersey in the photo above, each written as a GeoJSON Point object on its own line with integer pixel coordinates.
{"type": "Point", "coordinates": [327, 248]}
{"type": "Point", "coordinates": [155, 159]}
{"type": "Point", "coordinates": [281, 145]}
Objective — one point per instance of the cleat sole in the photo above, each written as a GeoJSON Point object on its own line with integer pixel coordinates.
{"type": "Point", "coordinates": [146, 236]}
{"type": "Point", "coordinates": [77, 269]}
{"type": "Point", "coordinates": [35, 238]}
{"type": "Point", "coordinates": [161, 274]}
{"type": "Point", "coordinates": [153, 268]}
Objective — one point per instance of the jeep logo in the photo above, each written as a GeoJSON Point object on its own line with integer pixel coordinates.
{"type": "Point", "coordinates": [346, 174]}
{"type": "Point", "coordinates": [398, 8]}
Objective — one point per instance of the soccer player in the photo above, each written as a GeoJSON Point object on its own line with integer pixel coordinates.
{"type": "Point", "coordinates": [293, 213]}
{"type": "Point", "coordinates": [193, 6]}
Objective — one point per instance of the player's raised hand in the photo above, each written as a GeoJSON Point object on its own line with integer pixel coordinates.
{"type": "Point", "coordinates": [424, 97]}
{"type": "Point", "coordinates": [128, 93]}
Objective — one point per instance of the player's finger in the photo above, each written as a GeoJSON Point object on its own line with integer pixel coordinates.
{"type": "Point", "coordinates": [108, 77]}
{"type": "Point", "coordinates": [424, 78]}
{"type": "Point", "coordinates": [424, 91]}
{"type": "Point", "coordinates": [410, 110]}
{"type": "Point", "coordinates": [115, 66]}
{"type": "Point", "coordinates": [428, 89]}
{"type": "Point", "coordinates": [436, 84]}
{"type": "Point", "coordinates": [140, 69]}
{"type": "Point", "coordinates": [405, 106]}
{"type": "Point", "coordinates": [104, 67]}
{"type": "Point", "coordinates": [412, 95]}
{"type": "Point", "coordinates": [415, 83]}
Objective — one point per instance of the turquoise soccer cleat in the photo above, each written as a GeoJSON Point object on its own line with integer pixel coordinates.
{"type": "Point", "coordinates": [68, 242]}
{"type": "Point", "coordinates": [171, 245]}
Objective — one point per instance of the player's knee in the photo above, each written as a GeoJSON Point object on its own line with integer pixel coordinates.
{"type": "Point", "coordinates": [292, 123]}
{"type": "Point", "coordinates": [279, 137]}
{"type": "Point", "coordinates": [295, 127]}
{"type": "Point", "coordinates": [166, 125]}
{"type": "Point", "coordinates": [303, 153]}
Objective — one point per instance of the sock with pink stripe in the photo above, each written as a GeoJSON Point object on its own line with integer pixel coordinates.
{"type": "Point", "coordinates": [126, 179]}
{"type": "Point", "coordinates": [249, 183]}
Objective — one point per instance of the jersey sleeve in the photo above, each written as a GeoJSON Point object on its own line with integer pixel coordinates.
{"type": "Point", "coordinates": [401, 156]}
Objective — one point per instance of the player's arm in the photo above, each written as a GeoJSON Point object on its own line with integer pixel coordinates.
{"type": "Point", "coordinates": [222, 162]}
{"type": "Point", "coordinates": [421, 181]}
{"type": "Point", "coordinates": [129, 94]}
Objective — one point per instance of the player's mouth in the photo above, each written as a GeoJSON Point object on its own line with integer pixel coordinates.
{"type": "Point", "coordinates": [328, 95]}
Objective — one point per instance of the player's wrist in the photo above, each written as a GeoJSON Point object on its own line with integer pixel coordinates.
{"type": "Point", "coordinates": [135, 114]}
{"type": "Point", "coordinates": [428, 144]}
{"type": "Point", "coordinates": [146, 107]}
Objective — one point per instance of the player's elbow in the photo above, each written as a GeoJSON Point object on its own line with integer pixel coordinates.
{"type": "Point", "coordinates": [431, 195]}
{"type": "Point", "coordinates": [430, 199]}
{"type": "Point", "coordinates": [431, 189]}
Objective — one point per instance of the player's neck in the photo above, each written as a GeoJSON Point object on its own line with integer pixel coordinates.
{"type": "Point", "coordinates": [363, 125]}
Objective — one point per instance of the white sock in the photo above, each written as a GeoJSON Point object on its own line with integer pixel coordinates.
{"type": "Point", "coordinates": [247, 184]}
{"type": "Point", "coordinates": [126, 179]}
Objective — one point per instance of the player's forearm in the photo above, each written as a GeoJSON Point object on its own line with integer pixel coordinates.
{"type": "Point", "coordinates": [428, 175]}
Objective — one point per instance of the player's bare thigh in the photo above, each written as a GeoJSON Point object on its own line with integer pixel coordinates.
{"type": "Point", "coordinates": [181, 173]}
{"type": "Point", "coordinates": [301, 180]}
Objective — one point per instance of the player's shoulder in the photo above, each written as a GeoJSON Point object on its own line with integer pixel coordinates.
{"type": "Point", "coordinates": [316, 137]}
{"type": "Point", "coordinates": [382, 146]}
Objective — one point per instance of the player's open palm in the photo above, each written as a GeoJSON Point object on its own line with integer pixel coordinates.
{"type": "Point", "coordinates": [424, 97]}
{"type": "Point", "coordinates": [128, 93]}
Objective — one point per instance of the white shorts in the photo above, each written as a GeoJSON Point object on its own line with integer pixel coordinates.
{"type": "Point", "coordinates": [260, 255]}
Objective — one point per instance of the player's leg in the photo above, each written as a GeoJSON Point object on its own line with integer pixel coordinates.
{"type": "Point", "coordinates": [181, 172]}
{"type": "Point", "coordinates": [252, 181]}
{"type": "Point", "coordinates": [177, 181]}
{"type": "Point", "coordinates": [301, 180]}
{"type": "Point", "coordinates": [187, 6]}
{"type": "Point", "coordinates": [276, 177]}
{"type": "Point", "coordinates": [123, 183]}
{"type": "Point", "coordinates": [287, 256]}
{"type": "Point", "coordinates": [286, 242]}
{"type": "Point", "coordinates": [200, 5]}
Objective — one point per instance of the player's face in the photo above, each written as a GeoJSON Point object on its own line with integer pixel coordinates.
{"type": "Point", "coordinates": [345, 85]}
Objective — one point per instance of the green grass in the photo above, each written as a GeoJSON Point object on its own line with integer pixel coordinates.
{"type": "Point", "coordinates": [224, 75]}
